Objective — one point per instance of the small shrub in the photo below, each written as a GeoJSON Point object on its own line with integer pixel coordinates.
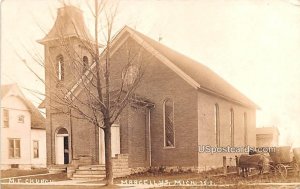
{"type": "Point", "coordinates": [161, 169]}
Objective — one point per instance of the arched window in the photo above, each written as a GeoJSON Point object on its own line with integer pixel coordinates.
{"type": "Point", "coordinates": [217, 125]}
{"type": "Point", "coordinates": [168, 116]}
{"type": "Point", "coordinates": [231, 127]}
{"type": "Point", "coordinates": [62, 131]}
{"type": "Point", "coordinates": [85, 62]}
{"type": "Point", "coordinates": [60, 68]}
{"type": "Point", "coordinates": [245, 129]}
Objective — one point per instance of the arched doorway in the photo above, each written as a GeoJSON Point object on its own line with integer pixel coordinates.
{"type": "Point", "coordinates": [62, 146]}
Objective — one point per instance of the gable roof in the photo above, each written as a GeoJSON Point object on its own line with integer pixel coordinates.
{"type": "Point", "coordinates": [196, 74]}
{"type": "Point", "coordinates": [206, 79]}
{"type": "Point", "coordinates": [37, 120]}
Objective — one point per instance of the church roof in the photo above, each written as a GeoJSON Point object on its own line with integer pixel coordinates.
{"type": "Point", "coordinates": [204, 76]}
{"type": "Point", "coordinates": [196, 74]}
{"type": "Point", "coordinates": [69, 23]}
{"type": "Point", "coordinates": [37, 120]}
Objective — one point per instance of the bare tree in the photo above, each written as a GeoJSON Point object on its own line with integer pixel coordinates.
{"type": "Point", "coordinates": [106, 91]}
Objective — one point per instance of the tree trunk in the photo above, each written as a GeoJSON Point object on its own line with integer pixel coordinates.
{"type": "Point", "coordinates": [108, 159]}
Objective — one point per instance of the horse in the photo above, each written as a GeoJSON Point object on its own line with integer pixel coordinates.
{"type": "Point", "coordinates": [258, 161]}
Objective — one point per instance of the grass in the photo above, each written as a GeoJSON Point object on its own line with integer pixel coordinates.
{"type": "Point", "coordinates": [25, 176]}
{"type": "Point", "coordinates": [212, 176]}
{"type": "Point", "coordinates": [18, 172]}
{"type": "Point", "coordinates": [39, 178]}
{"type": "Point", "coordinates": [56, 187]}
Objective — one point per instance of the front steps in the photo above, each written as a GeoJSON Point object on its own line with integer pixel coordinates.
{"type": "Point", "coordinates": [89, 172]}
{"type": "Point", "coordinates": [57, 168]}
{"type": "Point", "coordinates": [81, 169]}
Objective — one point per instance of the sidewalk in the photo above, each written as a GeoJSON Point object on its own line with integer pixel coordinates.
{"type": "Point", "coordinates": [84, 183]}
{"type": "Point", "coordinates": [75, 183]}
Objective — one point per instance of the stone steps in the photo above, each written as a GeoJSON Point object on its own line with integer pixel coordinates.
{"type": "Point", "coordinates": [89, 172]}
{"type": "Point", "coordinates": [57, 168]}
{"type": "Point", "coordinates": [92, 167]}
{"type": "Point", "coordinates": [87, 177]}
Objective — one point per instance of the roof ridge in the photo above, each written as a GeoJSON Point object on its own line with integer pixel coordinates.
{"type": "Point", "coordinates": [189, 62]}
{"type": "Point", "coordinates": [196, 74]}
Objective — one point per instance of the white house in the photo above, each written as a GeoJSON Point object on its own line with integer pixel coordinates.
{"type": "Point", "coordinates": [23, 134]}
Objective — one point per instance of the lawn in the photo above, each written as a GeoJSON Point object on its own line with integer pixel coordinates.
{"type": "Point", "coordinates": [56, 187]}
{"type": "Point", "coordinates": [22, 176]}
{"type": "Point", "coordinates": [206, 179]}
{"type": "Point", "coordinates": [212, 176]}
{"type": "Point", "coordinates": [18, 172]}
{"type": "Point", "coordinates": [38, 179]}
{"type": "Point", "coordinates": [181, 180]}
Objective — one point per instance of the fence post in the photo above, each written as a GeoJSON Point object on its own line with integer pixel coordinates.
{"type": "Point", "coordinates": [237, 165]}
{"type": "Point", "coordinates": [224, 166]}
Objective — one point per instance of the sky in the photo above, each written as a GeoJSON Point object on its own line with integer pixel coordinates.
{"type": "Point", "coordinates": [252, 44]}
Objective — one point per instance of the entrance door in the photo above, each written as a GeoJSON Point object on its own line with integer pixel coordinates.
{"type": "Point", "coordinates": [66, 150]}
{"type": "Point", "coordinates": [115, 142]}
{"type": "Point", "coordinates": [62, 147]}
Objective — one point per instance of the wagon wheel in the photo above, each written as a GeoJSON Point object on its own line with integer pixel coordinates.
{"type": "Point", "coordinates": [281, 170]}
{"type": "Point", "coordinates": [295, 167]}
{"type": "Point", "coordinates": [270, 169]}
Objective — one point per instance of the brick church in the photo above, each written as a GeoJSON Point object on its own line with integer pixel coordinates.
{"type": "Point", "coordinates": [186, 105]}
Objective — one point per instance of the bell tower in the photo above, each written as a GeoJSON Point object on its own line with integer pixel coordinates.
{"type": "Point", "coordinates": [67, 55]}
{"type": "Point", "coordinates": [67, 49]}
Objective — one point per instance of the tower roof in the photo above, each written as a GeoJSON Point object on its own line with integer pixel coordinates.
{"type": "Point", "coordinates": [69, 23]}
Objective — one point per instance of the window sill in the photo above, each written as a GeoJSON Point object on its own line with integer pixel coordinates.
{"type": "Point", "coordinates": [169, 147]}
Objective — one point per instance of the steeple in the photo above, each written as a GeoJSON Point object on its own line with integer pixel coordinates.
{"type": "Point", "coordinates": [69, 23]}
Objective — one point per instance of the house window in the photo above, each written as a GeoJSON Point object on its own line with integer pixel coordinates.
{"type": "Point", "coordinates": [5, 118]}
{"type": "Point", "coordinates": [168, 116]}
{"type": "Point", "coordinates": [245, 129]}
{"type": "Point", "coordinates": [60, 68]}
{"type": "Point", "coordinates": [217, 125]}
{"type": "Point", "coordinates": [85, 61]}
{"type": "Point", "coordinates": [35, 149]}
{"type": "Point", "coordinates": [231, 127]}
{"type": "Point", "coordinates": [14, 148]}
{"type": "Point", "coordinates": [21, 118]}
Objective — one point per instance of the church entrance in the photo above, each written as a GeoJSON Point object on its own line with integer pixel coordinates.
{"type": "Point", "coordinates": [62, 146]}
{"type": "Point", "coordinates": [115, 142]}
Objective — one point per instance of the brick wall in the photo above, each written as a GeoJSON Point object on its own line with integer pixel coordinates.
{"type": "Point", "coordinates": [120, 165]}
{"type": "Point", "coordinates": [193, 119]}
{"type": "Point", "coordinates": [137, 132]}
{"type": "Point", "coordinates": [206, 132]}
{"type": "Point", "coordinates": [159, 83]}
{"type": "Point", "coordinates": [54, 117]}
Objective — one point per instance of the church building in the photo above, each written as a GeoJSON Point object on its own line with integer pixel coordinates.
{"type": "Point", "coordinates": [184, 104]}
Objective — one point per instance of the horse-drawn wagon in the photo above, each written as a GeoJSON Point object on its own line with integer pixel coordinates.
{"type": "Point", "coordinates": [256, 162]}
{"type": "Point", "coordinates": [284, 161]}
{"type": "Point", "coordinates": [279, 162]}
